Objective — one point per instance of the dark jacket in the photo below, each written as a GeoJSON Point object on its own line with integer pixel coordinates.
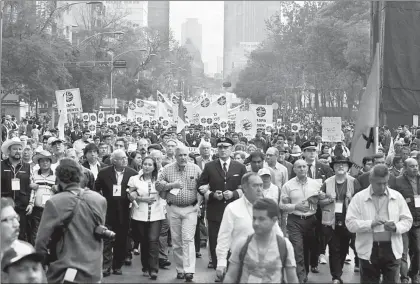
{"type": "Point", "coordinates": [118, 212]}
{"type": "Point", "coordinates": [213, 175]}
{"type": "Point", "coordinates": [87, 165]}
{"type": "Point", "coordinates": [78, 249]}
{"type": "Point", "coordinates": [23, 173]}
{"type": "Point", "coordinates": [74, 136]}
{"type": "Point", "coordinates": [364, 181]}
{"type": "Point", "coordinates": [403, 186]}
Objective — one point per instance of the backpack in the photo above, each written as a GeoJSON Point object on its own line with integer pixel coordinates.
{"type": "Point", "coordinates": [281, 243]}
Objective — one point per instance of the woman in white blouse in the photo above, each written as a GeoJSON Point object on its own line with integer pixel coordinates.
{"type": "Point", "coordinates": [146, 215]}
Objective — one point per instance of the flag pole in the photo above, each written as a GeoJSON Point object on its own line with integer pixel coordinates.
{"type": "Point", "coordinates": [376, 128]}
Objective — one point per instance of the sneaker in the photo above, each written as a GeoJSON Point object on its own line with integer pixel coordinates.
{"type": "Point", "coordinates": [136, 252]}
{"type": "Point", "coordinates": [356, 269]}
{"type": "Point", "coordinates": [322, 259]}
{"type": "Point", "coordinates": [348, 259]}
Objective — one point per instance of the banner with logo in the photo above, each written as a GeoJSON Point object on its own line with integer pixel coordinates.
{"type": "Point", "coordinates": [101, 116]}
{"type": "Point", "coordinates": [110, 119]}
{"type": "Point", "coordinates": [93, 118]}
{"type": "Point", "coordinates": [73, 102]}
{"type": "Point", "coordinates": [331, 129]}
{"type": "Point", "coordinates": [164, 109]}
{"type": "Point", "coordinates": [92, 128]}
{"type": "Point", "coordinates": [246, 122]}
{"type": "Point", "coordinates": [85, 116]}
{"type": "Point", "coordinates": [264, 114]}
{"type": "Point", "coordinates": [295, 127]}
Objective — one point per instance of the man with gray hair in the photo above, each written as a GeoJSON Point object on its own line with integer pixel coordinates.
{"type": "Point", "coordinates": [379, 216]}
{"type": "Point", "coordinates": [112, 183]}
{"type": "Point", "coordinates": [205, 154]}
{"type": "Point", "coordinates": [180, 180]}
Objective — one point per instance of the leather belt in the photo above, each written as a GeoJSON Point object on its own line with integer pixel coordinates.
{"type": "Point", "coordinates": [303, 217]}
{"type": "Point", "coordinates": [183, 205]}
{"type": "Point", "coordinates": [381, 244]}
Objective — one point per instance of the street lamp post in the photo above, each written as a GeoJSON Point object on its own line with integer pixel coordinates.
{"type": "Point", "coordinates": [112, 71]}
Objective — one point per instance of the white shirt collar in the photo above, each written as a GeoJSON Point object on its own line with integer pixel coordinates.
{"type": "Point", "coordinates": [227, 163]}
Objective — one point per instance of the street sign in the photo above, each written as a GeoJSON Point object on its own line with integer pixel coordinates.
{"type": "Point", "coordinates": [120, 64]}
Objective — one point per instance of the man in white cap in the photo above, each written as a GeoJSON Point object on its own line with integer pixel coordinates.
{"type": "Point", "coordinates": [22, 264]}
{"type": "Point", "coordinates": [15, 179]}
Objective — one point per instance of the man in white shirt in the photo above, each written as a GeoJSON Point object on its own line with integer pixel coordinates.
{"type": "Point", "coordinates": [280, 171]}
{"type": "Point", "coordinates": [80, 144]}
{"type": "Point", "coordinates": [237, 220]}
{"type": "Point", "coordinates": [379, 216]}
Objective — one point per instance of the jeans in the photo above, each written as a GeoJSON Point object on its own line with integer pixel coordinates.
{"type": "Point", "coordinates": [24, 226]}
{"type": "Point", "coordinates": [163, 239]}
{"type": "Point", "coordinates": [338, 241]}
{"type": "Point", "coordinates": [302, 236]}
{"type": "Point", "coordinates": [147, 233]}
{"type": "Point", "coordinates": [414, 245]}
{"type": "Point", "coordinates": [382, 261]}
{"type": "Point", "coordinates": [183, 221]}
{"type": "Point", "coordinates": [404, 263]}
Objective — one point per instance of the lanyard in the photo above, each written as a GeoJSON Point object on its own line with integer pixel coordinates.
{"type": "Point", "coordinates": [14, 171]}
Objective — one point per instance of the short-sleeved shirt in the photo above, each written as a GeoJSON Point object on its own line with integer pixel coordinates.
{"type": "Point", "coordinates": [269, 269]}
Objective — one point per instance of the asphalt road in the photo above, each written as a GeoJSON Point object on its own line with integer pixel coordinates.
{"type": "Point", "coordinates": [133, 273]}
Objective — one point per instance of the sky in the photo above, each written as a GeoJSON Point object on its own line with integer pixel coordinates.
{"type": "Point", "coordinates": [210, 15]}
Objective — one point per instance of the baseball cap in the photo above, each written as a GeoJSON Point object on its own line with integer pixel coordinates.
{"type": "Point", "coordinates": [19, 251]}
{"type": "Point", "coordinates": [264, 171]}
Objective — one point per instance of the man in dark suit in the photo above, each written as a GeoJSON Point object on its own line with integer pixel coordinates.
{"type": "Point", "coordinates": [222, 179]}
{"type": "Point", "coordinates": [92, 162]}
{"type": "Point", "coordinates": [76, 134]}
{"type": "Point", "coordinates": [112, 183]}
{"type": "Point", "coordinates": [319, 172]}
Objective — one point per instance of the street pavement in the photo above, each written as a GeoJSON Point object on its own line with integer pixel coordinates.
{"type": "Point", "coordinates": [133, 273]}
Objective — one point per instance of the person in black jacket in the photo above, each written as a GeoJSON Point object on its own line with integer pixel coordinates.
{"type": "Point", "coordinates": [15, 180]}
{"type": "Point", "coordinates": [223, 176]}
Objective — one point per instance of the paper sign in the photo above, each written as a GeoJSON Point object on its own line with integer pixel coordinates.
{"type": "Point", "coordinates": [417, 201]}
{"type": "Point", "coordinates": [15, 184]}
{"type": "Point", "coordinates": [338, 207]}
{"type": "Point", "coordinates": [116, 190]}
{"type": "Point", "coordinates": [331, 129]}
{"type": "Point", "coordinates": [175, 191]}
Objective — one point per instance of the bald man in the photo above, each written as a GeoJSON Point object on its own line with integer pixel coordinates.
{"type": "Point", "coordinates": [301, 223]}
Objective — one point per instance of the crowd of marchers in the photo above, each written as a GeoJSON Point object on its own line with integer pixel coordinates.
{"type": "Point", "coordinates": [267, 209]}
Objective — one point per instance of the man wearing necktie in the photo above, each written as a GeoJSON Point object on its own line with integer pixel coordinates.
{"type": "Point", "coordinates": [319, 172]}
{"type": "Point", "coordinates": [222, 177]}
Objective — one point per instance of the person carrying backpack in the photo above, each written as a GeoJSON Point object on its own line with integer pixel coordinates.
{"type": "Point", "coordinates": [263, 257]}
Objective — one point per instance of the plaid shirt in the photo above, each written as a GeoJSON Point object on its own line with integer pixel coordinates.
{"type": "Point", "coordinates": [189, 179]}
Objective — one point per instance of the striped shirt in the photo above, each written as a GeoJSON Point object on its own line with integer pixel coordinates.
{"type": "Point", "coordinates": [189, 179]}
{"type": "Point", "coordinates": [44, 192]}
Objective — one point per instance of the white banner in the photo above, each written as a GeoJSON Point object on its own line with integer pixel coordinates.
{"type": "Point", "coordinates": [246, 122]}
{"type": "Point", "coordinates": [73, 102]}
{"type": "Point", "coordinates": [295, 127]}
{"type": "Point", "coordinates": [93, 118]}
{"type": "Point", "coordinates": [110, 119]}
{"type": "Point", "coordinates": [117, 119]}
{"type": "Point", "coordinates": [101, 116]}
{"type": "Point", "coordinates": [331, 129]}
{"type": "Point", "coordinates": [85, 116]}
{"type": "Point", "coordinates": [263, 113]}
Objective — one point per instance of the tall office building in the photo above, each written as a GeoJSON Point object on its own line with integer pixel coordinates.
{"type": "Point", "coordinates": [244, 30]}
{"type": "Point", "coordinates": [158, 15]}
{"type": "Point", "coordinates": [192, 30]}
{"type": "Point", "coordinates": [133, 12]}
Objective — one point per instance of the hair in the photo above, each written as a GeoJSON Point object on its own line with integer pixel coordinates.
{"type": "Point", "coordinates": [204, 144]}
{"type": "Point", "coordinates": [86, 130]}
{"type": "Point", "coordinates": [267, 204]}
{"type": "Point", "coordinates": [282, 135]}
{"type": "Point", "coordinates": [407, 160]}
{"type": "Point", "coordinates": [244, 139]}
{"type": "Point", "coordinates": [239, 147]}
{"type": "Point", "coordinates": [276, 151]}
{"type": "Point", "coordinates": [241, 153]}
{"type": "Point", "coordinates": [118, 151]}
{"type": "Point", "coordinates": [256, 154]}
{"type": "Point", "coordinates": [181, 147]}
{"type": "Point", "coordinates": [6, 202]}
{"type": "Point", "coordinates": [134, 154]}
{"type": "Point", "coordinates": [155, 147]}
{"type": "Point", "coordinates": [379, 171]}
{"type": "Point", "coordinates": [90, 147]}
{"type": "Point", "coordinates": [396, 160]}
{"type": "Point", "coordinates": [155, 170]}
{"type": "Point", "coordinates": [121, 139]}
{"type": "Point", "coordinates": [377, 156]}
{"type": "Point", "coordinates": [247, 176]}
{"type": "Point", "coordinates": [68, 151]}
{"type": "Point", "coordinates": [367, 159]}
{"type": "Point", "coordinates": [69, 171]}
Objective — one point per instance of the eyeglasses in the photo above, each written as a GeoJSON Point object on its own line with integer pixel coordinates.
{"type": "Point", "coordinates": [11, 219]}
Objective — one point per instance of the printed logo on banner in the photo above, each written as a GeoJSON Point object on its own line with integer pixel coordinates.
{"type": "Point", "coordinates": [153, 122]}
{"type": "Point", "coordinates": [216, 125]}
{"type": "Point", "coordinates": [295, 127]}
{"type": "Point", "coordinates": [131, 105]}
{"type": "Point", "coordinates": [92, 127]}
{"type": "Point", "coordinates": [110, 120]}
{"type": "Point", "coordinates": [223, 124]}
{"type": "Point", "coordinates": [100, 115]}
{"type": "Point", "coordinates": [221, 101]}
{"type": "Point", "coordinates": [140, 103]}
{"type": "Point", "coordinates": [93, 117]}
{"type": "Point", "coordinates": [138, 119]}
{"type": "Point", "coordinates": [203, 120]}
{"type": "Point", "coordinates": [117, 119]}
{"type": "Point", "coordinates": [69, 97]}
{"type": "Point", "coordinates": [209, 121]}
{"type": "Point", "coordinates": [261, 111]}
{"type": "Point", "coordinates": [174, 100]}
{"type": "Point", "coordinates": [165, 123]}
{"type": "Point", "coordinates": [246, 124]}
{"type": "Point", "coordinates": [205, 102]}
{"type": "Point", "coordinates": [85, 117]}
